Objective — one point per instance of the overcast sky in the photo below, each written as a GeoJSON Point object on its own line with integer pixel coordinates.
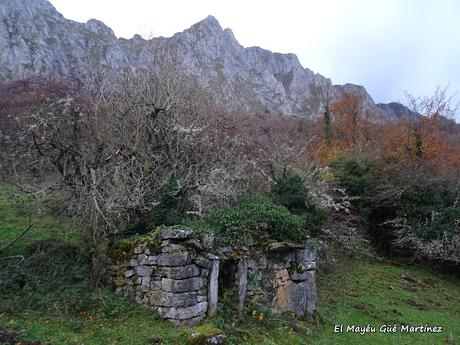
{"type": "Point", "coordinates": [389, 46]}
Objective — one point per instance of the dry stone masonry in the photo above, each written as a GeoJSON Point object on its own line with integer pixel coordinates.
{"type": "Point", "coordinates": [282, 277]}
{"type": "Point", "coordinates": [175, 272]}
{"type": "Point", "coordinates": [174, 276]}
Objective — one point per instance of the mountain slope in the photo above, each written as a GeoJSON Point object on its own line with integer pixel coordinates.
{"type": "Point", "coordinates": [37, 40]}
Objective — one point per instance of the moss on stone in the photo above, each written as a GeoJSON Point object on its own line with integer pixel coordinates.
{"type": "Point", "coordinates": [151, 240]}
{"type": "Point", "coordinates": [200, 334]}
{"type": "Point", "coordinates": [121, 250]}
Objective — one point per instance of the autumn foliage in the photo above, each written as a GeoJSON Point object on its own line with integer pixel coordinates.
{"type": "Point", "coordinates": [431, 139]}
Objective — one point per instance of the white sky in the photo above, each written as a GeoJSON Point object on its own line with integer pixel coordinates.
{"type": "Point", "coordinates": [389, 46]}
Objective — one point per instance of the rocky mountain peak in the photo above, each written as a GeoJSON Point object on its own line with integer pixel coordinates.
{"type": "Point", "coordinates": [99, 27]}
{"type": "Point", "coordinates": [35, 39]}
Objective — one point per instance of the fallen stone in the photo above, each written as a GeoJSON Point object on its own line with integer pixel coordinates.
{"type": "Point", "coordinates": [215, 340]}
{"type": "Point", "coordinates": [207, 337]}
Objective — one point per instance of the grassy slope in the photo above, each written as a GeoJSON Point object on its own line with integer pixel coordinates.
{"type": "Point", "coordinates": [359, 293]}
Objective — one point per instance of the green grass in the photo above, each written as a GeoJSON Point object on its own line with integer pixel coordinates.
{"type": "Point", "coordinates": [358, 292]}
{"type": "Point", "coordinates": [17, 211]}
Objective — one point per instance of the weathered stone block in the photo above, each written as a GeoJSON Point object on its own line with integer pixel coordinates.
{"type": "Point", "coordinates": [291, 297]}
{"type": "Point", "coordinates": [312, 293]}
{"type": "Point", "coordinates": [152, 260]}
{"type": "Point", "coordinates": [200, 299]}
{"type": "Point", "coordinates": [146, 281]}
{"type": "Point", "coordinates": [174, 259]}
{"type": "Point", "coordinates": [181, 272]}
{"type": "Point", "coordinates": [283, 246]}
{"type": "Point", "coordinates": [143, 259]}
{"type": "Point", "coordinates": [155, 285]}
{"type": "Point", "coordinates": [176, 234]}
{"type": "Point", "coordinates": [207, 240]}
{"type": "Point", "coordinates": [204, 273]}
{"type": "Point", "coordinates": [184, 285]}
{"type": "Point", "coordinates": [143, 271]}
{"type": "Point", "coordinates": [167, 299]}
{"type": "Point", "coordinates": [280, 265]}
{"type": "Point", "coordinates": [128, 273]}
{"type": "Point", "coordinates": [172, 248]}
{"type": "Point", "coordinates": [203, 262]}
{"type": "Point", "coordinates": [196, 310]}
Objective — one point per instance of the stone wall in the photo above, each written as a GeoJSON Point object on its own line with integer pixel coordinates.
{"type": "Point", "coordinates": [282, 276]}
{"type": "Point", "coordinates": [176, 273]}
{"type": "Point", "coordinates": [174, 276]}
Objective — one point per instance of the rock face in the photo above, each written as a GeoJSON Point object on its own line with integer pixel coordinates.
{"type": "Point", "coordinates": [35, 40]}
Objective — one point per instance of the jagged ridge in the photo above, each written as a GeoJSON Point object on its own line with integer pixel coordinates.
{"type": "Point", "coordinates": [36, 39]}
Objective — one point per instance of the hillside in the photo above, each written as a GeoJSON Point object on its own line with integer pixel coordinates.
{"type": "Point", "coordinates": [355, 292]}
{"type": "Point", "coordinates": [37, 40]}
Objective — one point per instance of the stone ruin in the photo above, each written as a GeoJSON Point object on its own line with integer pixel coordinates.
{"type": "Point", "coordinates": [176, 273]}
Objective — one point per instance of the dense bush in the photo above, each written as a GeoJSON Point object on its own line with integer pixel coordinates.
{"type": "Point", "coordinates": [408, 211]}
{"type": "Point", "coordinates": [290, 191]}
{"type": "Point", "coordinates": [256, 219]}
{"type": "Point", "coordinates": [355, 173]}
